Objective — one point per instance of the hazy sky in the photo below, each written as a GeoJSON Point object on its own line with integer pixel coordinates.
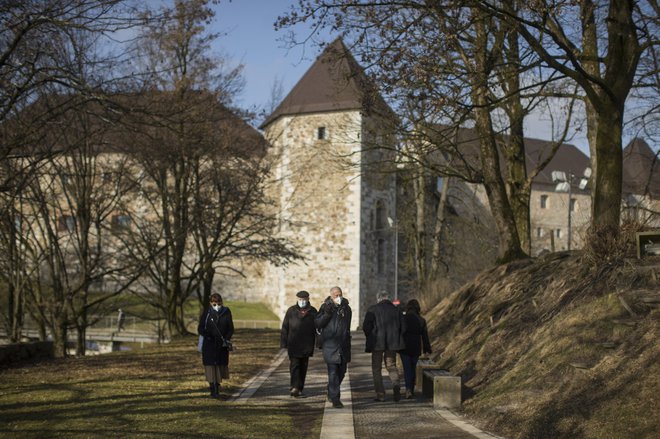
{"type": "Point", "coordinates": [252, 41]}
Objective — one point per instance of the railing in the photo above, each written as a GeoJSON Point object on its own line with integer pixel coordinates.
{"type": "Point", "coordinates": [135, 329]}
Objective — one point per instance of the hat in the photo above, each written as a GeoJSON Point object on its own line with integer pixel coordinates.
{"type": "Point", "coordinates": [302, 294]}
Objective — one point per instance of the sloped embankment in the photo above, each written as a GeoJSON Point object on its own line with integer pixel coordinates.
{"type": "Point", "coordinates": [547, 349]}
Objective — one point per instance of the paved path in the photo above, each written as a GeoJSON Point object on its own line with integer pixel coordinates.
{"type": "Point", "coordinates": [361, 417]}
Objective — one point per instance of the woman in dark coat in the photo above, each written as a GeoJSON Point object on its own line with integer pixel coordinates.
{"type": "Point", "coordinates": [298, 336]}
{"type": "Point", "coordinates": [416, 339]}
{"type": "Point", "coordinates": [217, 327]}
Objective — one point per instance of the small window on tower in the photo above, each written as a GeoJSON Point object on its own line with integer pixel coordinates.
{"type": "Point", "coordinates": [320, 133]}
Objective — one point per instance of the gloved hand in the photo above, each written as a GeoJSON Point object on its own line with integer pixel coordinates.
{"type": "Point", "coordinates": [329, 305]}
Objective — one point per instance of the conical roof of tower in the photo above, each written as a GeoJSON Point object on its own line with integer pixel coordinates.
{"type": "Point", "coordinates": [641, 169]}
{"type": "Point", "coordinates": [335, 82]}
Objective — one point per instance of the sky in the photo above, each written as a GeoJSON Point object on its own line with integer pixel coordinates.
{"type": "Point", "coordinates": [249, 38]}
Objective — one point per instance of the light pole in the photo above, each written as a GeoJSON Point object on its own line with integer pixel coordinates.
{"type": "Point", "coordinates": [393, 224]}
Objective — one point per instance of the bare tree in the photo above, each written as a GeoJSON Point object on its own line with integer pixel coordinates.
{"type": "Point", "coordinates": [203, 174]}
{"type": "Point", "coordinates": [598, 44]}
{"type": "Point", "coordinates": [450, 64]}
{"type": "Point", "coordinates": [72, 205]}
{"type": "Point", "coordinates": [34, 38]}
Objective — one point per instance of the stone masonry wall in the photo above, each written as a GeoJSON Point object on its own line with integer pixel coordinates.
{"type": "Point", "coordinates": [319, 188]}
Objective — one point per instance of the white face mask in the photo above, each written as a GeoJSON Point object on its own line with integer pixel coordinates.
{"type": "Point", "coordinates": [338, 300]}
{"type": "Point", "coordinates": [302, 303]}
{"type": "Point", "coordinates": [217, 307]}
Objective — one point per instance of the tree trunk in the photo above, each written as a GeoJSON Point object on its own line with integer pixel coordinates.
{"type": "Point", "coordinates": [509, 246]}
{"type": "Point", "coordinates": [80, 340]}
{"type": "Point", "coordinates": [59, 333]}
{"type": "Point", "coordinates": [514, 147]}
{"type": "Point", "coordinates": [436, 257]}
{"type": "Point", "coordinates": [419, 185]}
{"type": "Point", "coordinates": [607, 188]}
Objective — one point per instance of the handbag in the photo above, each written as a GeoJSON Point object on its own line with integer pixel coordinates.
{"type": "Point", "coordinates": [227, 344]}
{"type": "Point", "coordinates": [200, 343]}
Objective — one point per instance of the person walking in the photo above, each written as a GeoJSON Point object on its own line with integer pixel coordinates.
{"type": "Point", "coordinates": [334, 324]}
{"type": "Point", "coordinates": [416, 339]}
{"type": "Point", "coordinates": [217, 327]}
{"type": "Point", "coordinates": [121, 317]}
{"type": "Point", "coordinates": [384, 327]}
{"type": "Point", "coordinates": [298, 335]}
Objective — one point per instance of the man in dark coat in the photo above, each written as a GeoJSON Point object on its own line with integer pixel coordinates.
{"type": "Point", "coordinates": [384, 327]}
{"type": "Point", "coordinates": [334, 323]}
{"type": "Point", "coordinates": [217, 327]}
{"type": "Point", "coordinates": [298, 336]}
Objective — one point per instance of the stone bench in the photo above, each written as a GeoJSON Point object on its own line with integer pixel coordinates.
{"type": "Point", "coordinates": [422, 365]}
{"type": "Point", "coordinates": [444, 388]}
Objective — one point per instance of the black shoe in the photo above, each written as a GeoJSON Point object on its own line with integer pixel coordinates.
{"type": "Point", "coordinates": [295, 392]}
{"type": "Point", "coordinates": [214, 390]}
{"type": "Point", "coordinates": [337, 404]}
{"type": "Point", "coordinates": [397, 393]}
{"type": "Point", "coordinates": [379, 398]}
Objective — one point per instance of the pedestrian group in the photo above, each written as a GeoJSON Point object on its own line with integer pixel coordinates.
{"type": "Point", "coordinates": [388, 329]}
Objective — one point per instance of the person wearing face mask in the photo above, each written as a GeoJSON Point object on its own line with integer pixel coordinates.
{"type": "Point", "coordinates": [298, 336]}
{"type": "Point", "coordinates": [217, 327]}
{"type": "Point", "coordinates": [334, 323]}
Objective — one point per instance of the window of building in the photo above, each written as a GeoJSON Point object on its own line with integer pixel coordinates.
{"type": "Point", "coordinates": [67, 223]}
{"type": "Point", "coordinates": [539, 232]}
{"type": "Point", "coordinates": [381, 218]}
{"type": "Point", "coordinates": [558, 233]}
{"type": "Point", "coordinates": [544, 201]}
{"type": "Point", "coordinates": [321, 133]}
{"type": "Point", "coordinates": [121, 221]}
{"type": "Point", "coordinates": [573, 204]}
{"type": "Point", "coordinates": [380, 257]}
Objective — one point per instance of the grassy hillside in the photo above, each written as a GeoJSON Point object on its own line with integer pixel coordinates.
{"type": "Point", "coordinates": [549, 349]}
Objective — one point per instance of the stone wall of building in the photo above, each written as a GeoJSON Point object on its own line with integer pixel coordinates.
{"type": "Point", "coordinates": [549, 219]}
{"type": "Point", "coordinates": [319, 196]}
{"type": "Point", "coordinates": [379, 218]}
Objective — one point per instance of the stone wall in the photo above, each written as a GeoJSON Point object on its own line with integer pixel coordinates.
{"type": "Point", "coordinates": [319, 187]}
{"type": "Point", "coordinates": [549, 224]}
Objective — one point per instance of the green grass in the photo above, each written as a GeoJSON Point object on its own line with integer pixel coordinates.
{"type": "Point", "coordinates": [250, 311]}
{"type": "Point", "coordinates": [158, 391]}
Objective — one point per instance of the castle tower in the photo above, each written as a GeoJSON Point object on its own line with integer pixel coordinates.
{"type": "Point", "coordinates": [336, 191]}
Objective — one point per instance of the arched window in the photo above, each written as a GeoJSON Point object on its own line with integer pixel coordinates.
{"type": "Point", "coordinates": [381, 216]}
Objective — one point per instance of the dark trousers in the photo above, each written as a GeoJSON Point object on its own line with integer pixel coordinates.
{"type": "Point", "coordinates": [298, 370]}
{"type": "Point", "coordinates": [336, 373]}
{"type": "Point", "coordinates": [409, 370]}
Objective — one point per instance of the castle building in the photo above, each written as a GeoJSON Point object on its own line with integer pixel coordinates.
{"type": "Point", "coordinates": [334, 190]}
{"type": "Point", "coordinates": [343, 203]}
